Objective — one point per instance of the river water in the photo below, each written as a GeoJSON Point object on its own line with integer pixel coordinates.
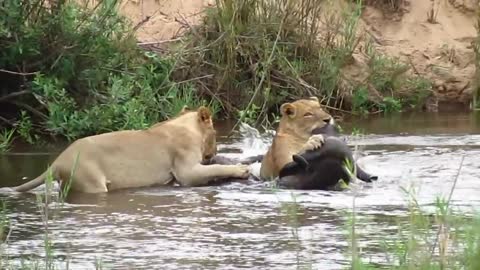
{"type": "Point", "coordinates": [247, 225]}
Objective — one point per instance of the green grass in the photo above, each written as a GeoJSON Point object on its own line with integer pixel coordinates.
{"type": "Point", "coordinates": [47, 213]}
{"type": "Point", "coordinates": [425, 239]}
{"type": "Point", "coordinates": [253, 55]}
{"type": "Point", "coordinates": [389, 87]}
{"type": "Point", "coordinates": [72, 71]}
{"type": "Point", "coordinates": [260, 53]}
{"type": "Point", "coordinates": [444, 239]}
{"type": "Point", "coordinates": [6, 139]}
{"type": "Point", "coordinates": [416, 246]}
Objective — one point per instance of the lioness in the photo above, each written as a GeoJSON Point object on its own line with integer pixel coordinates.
{"type": "Point", "coordinates": [294, 134]}
{"type": "Point", "coordinates": [170, 150]}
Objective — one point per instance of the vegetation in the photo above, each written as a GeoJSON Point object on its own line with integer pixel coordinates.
{"type": "Point", "coordinates": [439, 239]}
{"type": "Point", "coordinates": [254, 55]}
{"type": "Point", "coordinates": [6, 139]}
{"type": "Point", "coordinates": [476, 48]}
{"type": "Point", "coordinates": [392, 88]}
{"type": "Point", "coordinates": [74, 71]}
{"type": "Point", "coordinates": [426, 239]}
{"type": "Point", "coordinates": [47, 212]}
{"type": "Point", "coordinates": [443, 240]}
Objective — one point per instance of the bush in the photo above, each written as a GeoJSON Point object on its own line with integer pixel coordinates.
{"type": "Point", "coordinates": [476, 48]}
{"type": "Point", "coordinates": [388, 86]}
{"type": "Point", "coordinates": [261, 53]}
{"type": "Point", "coordinates": [79, 71]}
{"type": "Point", "coordinates": [253, 55]}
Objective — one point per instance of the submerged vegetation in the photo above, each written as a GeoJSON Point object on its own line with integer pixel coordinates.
{"type": "Point", "coordinates": [72, 70]}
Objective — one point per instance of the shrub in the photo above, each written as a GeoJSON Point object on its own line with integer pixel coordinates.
{"type": "Point", "coordinates": [78, 71]}
{"type": "Point", "coordinates": [259, 53]}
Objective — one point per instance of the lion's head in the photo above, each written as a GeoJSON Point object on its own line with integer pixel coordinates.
{"type": "Point", "coordinates": [303, 116]}
{"type": "Point", "coordinates": [209, 146]}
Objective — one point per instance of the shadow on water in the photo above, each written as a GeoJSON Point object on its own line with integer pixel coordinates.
{"type": "Point", "coordinates": [245, 225]}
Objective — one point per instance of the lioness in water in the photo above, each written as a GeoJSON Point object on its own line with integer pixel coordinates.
{"type": "Point", "coordinates": [294, 134]}
{"type": "Point", "coordinates": [170, 150]}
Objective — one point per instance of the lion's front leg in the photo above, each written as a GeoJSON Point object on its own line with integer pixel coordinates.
{"type": "Point", "coordinates": [314, 142]}
{"type": "Point", "coordinates": [198, 175]}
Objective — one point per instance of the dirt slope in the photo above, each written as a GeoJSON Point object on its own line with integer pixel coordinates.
{"type": "Point", "coordinates": [163, 19]}
{"type": "Point", "coordinates": [441, 50]}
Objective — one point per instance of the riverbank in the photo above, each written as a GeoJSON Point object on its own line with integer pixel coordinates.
{"type": "Point", "coordinates": [75, 69]}
{"type": "Point", "coordinates": [433, 39]}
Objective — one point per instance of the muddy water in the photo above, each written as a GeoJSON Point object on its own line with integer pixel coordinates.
{"type": "Point", "coordinates": [246, 225]}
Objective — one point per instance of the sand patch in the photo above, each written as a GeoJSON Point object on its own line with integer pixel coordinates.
{"type": "Point", "coordinates": [441, 51]}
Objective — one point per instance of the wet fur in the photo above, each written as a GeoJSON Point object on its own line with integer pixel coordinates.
{"type": "Point", "coordinates": [217, 159]}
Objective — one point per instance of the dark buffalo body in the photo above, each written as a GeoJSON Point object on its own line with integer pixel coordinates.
{"type": "Point", "coordinates": [322, 168]}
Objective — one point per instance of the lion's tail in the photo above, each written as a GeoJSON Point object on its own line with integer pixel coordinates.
{"type": "Point", "coordinates": [32, 183]}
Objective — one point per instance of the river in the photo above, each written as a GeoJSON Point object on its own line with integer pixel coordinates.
{"type": "Point", "coordinates": [246, 225]}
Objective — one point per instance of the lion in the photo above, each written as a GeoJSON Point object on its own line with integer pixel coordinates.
{"type": "Point", "coordinates": [294, 134]}
{"type": "Point", "coordinates": [171, 150]}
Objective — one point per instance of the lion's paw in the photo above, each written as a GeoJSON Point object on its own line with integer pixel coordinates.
{"type": "Point", "coordinates": [314, 142]}
{"type": "Point", "coordinates": [241, 171]}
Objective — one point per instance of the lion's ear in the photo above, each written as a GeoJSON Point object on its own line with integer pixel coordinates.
{"type": "Point", "coordinates": [204, 114]}
{"type": "Point", "coordinates": [288, 109]}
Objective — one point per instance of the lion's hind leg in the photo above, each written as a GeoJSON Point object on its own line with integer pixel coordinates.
{"type": "Point", "coordinates": [91, 180]}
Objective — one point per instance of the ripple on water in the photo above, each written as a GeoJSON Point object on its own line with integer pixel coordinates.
{"type": "Point", "coordinates": [250, 225]}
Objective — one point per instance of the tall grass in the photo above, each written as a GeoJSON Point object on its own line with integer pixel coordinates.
{"type": "Point", "coordinates": [258, 53]}
{"type": "Point", "coordinates": [253, 55]}
{"type": "Point", "coordinates": [476, 48]}
{"type": "Point", "coordinates": [428, 239]}
{"type": "Point", "coordinates": [415, 246]}
{"type": "Point", "coordinates": [74, 71]}
{"type": "Point", "coordinates": [6, 139]}
{"type": "Point", "coordinates": [446, 239]}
